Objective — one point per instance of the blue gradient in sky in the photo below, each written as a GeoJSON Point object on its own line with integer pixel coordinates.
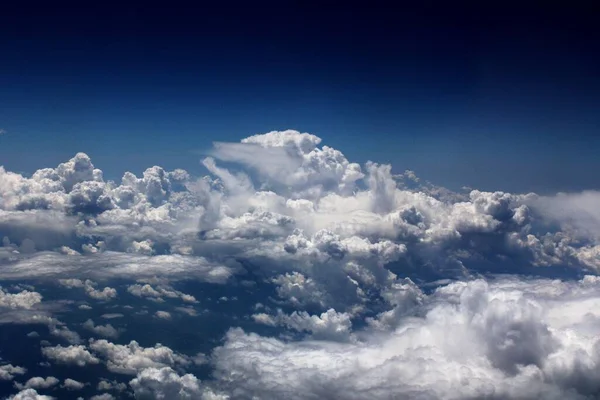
{"type": "Point", "coordinates": [491, 99]}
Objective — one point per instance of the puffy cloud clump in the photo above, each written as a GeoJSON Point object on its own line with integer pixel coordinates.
{"type": "Point", "coordinates": [107, 293]}
{"type": "Point", "coordinates": [30, 394]}
{"type": "Point", "coordinates": [38, 383]}
{"type": "Point", "coordinates": [298, 205]}
{"type": "Point", "coordinates": [74, 354]}
{"type": "Point", "coordinates": [72, 384]}
{"type": "Point", "coordinates": [9, 371]}
{"type": "Point", "coordinates": [22, 300]}
{"type": "Point", "coordinates": [507, 338]}
{"type": "Point", "coordinates": [164, 383]}
{"type": "Point", "coordinates": [132, 358]}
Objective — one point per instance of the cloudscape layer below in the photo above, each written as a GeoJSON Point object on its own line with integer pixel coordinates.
{"type": "Point", "coordinates": [292, 272]}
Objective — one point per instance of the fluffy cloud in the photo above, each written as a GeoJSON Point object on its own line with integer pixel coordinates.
{"type": "Point", "coordinates": [107, 330]}
{"type": "Point", "coordinates": [103, 396]}
{"type": "Point", "coordinates": [24, 299]}
{"type": "Point", "coordinates": [74, 354]}
{"type": "Point", "coordinates": [164, 383]}
{"type": "Point", "coordinates": [330, 325]}
{"type": "Point", "coordinates": [505, 339]}
{"type": "Point", "coordinates": [132, 358]}
{"type": "Point", "coordinates": [38, 383]}
{"type": "Point", "coordinates": [373, 284]}
{"type": "Point", "coordinates": [8, 372]}
{"type": "Point", "coordinates": [159, 293]}
{"type": "Point", "coordinates": [29, 394]}
{"type": "Point", "coordinates": [72, 384]}
{"type": "Point", "coordinates": [107, 293]}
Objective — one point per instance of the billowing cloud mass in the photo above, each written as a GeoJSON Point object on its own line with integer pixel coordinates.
{"type": "Point", "coordinates": [300, 275]}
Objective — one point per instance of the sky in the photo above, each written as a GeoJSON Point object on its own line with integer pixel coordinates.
{"type": "Point", "coordinates": [479, 96]}
{"type": "Point", "coordinates": [291, 201]}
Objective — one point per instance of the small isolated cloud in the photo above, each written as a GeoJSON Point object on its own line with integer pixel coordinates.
{"type": "Point", "coordinates": [38, 383]}
{"type": "Point", "coordinates": [72, 384]}
{"type": "Point", "coordinates": [103, 330]}
{"type": "Point", "coordinates": [163, 314]}
{"type": "Point", "coordinates": [9, 371]}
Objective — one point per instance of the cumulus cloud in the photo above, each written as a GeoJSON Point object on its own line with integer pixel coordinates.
{"type": "Point", "coordinates": [30, 394]}
{"type": "Point", "coordinates": [107, 293]}
{"type": "Point", "coordinates": [163, 314]}
{"type": "Point", "coordinates": [24, 299]}
{"type": "Point", "coordinates": [373, 284]}
{"type": "Point", "coordinates": [164, 383]}
{"type": "Point", "coordinates": [74, 354]}
{"type": "Point", "coordinates": [132, 358]}
{"type": "Point", "coordinates": [38, 383]}
{"type": "Point", "coordinates": [107, 330]}
{"type": "Point", "coordinates": [330, 325]}
{"type": "Point", "coordinates": [72, 384]}
{"type": "Point", "coordinates": [106, 385]}
{"type": "Point", "coordinates": [103, 396]}
{"type": "Point", "coordinates": [9, 371]}
{"type": "Point", "coordinates": [503, 339]}
{"type": "Point", "coordinates": [159, 293]}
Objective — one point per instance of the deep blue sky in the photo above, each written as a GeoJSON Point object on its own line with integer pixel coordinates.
{"type": "Point", "coordinates": [493, 98]}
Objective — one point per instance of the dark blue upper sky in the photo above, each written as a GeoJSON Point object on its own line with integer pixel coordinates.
{"type": "Point", "coordinates": [492, 98]}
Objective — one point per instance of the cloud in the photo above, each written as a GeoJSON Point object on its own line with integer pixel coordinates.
{"type": "Point", "coordinates": [164, 383]}
{"type": "Point", "coordinates": [131, 358]}
{"type": "Point", "coordinates": [508, 338]}
{"type": "Point", "coordinates": [163, 315]}
{"type": "Point", "coordinates": [72, 384]}
{"type": "Point", "coordinates": [74, 354]}
{"type": "Point", "coordinates": [38, 383]}
{"type": "Point", "coordinates": [371, 284]}
{"type": "Point", "coordinates": [111, 385]}
{"type": "Point", "coordinates": [105, 294]}
{"type": "Point", "coordinates": [24, 299]}
{"type": "Point", "coordinates": [103, 396]}
{"type": "Point", "coordinates": [103, 330]}
{"type": "Point", "coordinates": [29, 394]}
{"type": "Point", "coordinates": [9, 371]}
{"type": "Point", "coordinates": [158, 294]}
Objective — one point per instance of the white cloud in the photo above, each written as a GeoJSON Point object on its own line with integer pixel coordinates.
{"type": "Point", "coordinates": [111, 385]}
{"type": "Point", "coordinates": [131, 358]}
{"type": "Point", "coordinates": [38, 383]}
{"type": "Point", "coordinates": [163, 314]}
{"type": "Point", "coordinates": [29, 394]}
{"type": "Point", "coordinates": [107, 330]}
{"type": "Point", "coordinates": [107, 293]}
{"type": "Point", "coordinates": [9, 371]}
{"type": "Point", "coordinates": [328, 246]}
{"type": "Point", "coordinates": [164, 383]}
{"type": "Point", "coordinates": [159, 293]}
{"type": "Point", "coordinates": [506, 339]}
{"type": "Point", "coordinates": [72, 384]}
{"type": "Point", "coordinates": [103, 396]}
{"type": "Point", "coordinates": [74, 354]}
{"type": "Point", "coordinates": [24, 299]}
{"type": "Point", "coordinates": [330, 325]}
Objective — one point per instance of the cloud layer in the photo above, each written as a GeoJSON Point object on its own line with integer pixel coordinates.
{"type": "Point", "coordinates": [322, 278]}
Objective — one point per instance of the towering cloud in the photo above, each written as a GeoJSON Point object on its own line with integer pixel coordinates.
{"type": "Point", "coordinates": [362, 283]}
